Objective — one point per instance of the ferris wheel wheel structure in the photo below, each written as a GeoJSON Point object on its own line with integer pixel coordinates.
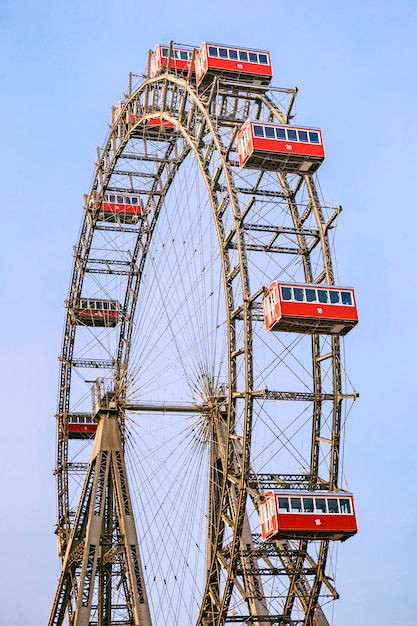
{"type": "Point", "coordinates": [202, 397]}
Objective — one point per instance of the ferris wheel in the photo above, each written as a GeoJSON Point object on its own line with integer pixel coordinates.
{"type": "Point", "coordinates": [202, 395]}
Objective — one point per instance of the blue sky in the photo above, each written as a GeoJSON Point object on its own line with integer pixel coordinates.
{"type": "Point", "coordinates": [63, 65]}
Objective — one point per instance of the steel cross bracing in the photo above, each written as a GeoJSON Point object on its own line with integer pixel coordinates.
{"type": "Point", "coordinates": [103, 540]}
{"type": "Point", "coordinates": [206, 126]}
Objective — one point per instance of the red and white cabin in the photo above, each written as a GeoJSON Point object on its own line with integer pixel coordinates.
{"type": "Point", "coordinates": [179, 63]}
{"type": "Point", "coordinates": [153, 127]}
{"type": "Point", "coordinates": [309, 309]}
{"type": "Point", "coordinates": [290, 149]}
{"type": "Point", "coordinates": [125, 207]}
{"type": "Point", "coordinates": [231, 63]}
{"type": "Point", "coordinates": [98, 313]}
{"type": "Point", "coordinates": [80, 426]}
{"type": "Point", "coordinates": [307, 515]}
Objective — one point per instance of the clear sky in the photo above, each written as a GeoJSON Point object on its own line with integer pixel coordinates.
{"type": "Point", "coordinates": [63, 65]}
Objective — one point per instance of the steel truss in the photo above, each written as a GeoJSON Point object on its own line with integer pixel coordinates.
{"type": "Point", "coordinates": [249, 228]}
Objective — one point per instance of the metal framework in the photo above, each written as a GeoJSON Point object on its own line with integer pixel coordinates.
{"type": "Point", "coordinates": [197, 407]}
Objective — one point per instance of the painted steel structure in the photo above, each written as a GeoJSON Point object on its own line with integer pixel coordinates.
{"type": "Point", "coordinates": [199, 410]}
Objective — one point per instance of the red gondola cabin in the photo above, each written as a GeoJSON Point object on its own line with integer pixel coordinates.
{"type": "Point", "coordinates": [80, 426]}
{"type": "Point", "coordinates": [98, 313]}
{"type": "Point", "coordinates": [288, 149]}
{"type": "Point", "coordinates": [152, 128]}
{"type": "Point", "coordinates": [307, 515]}
{"type": "Point", "coordinates": [178, 63]}
{"type": "Point", "coordinates": [126, 208]}
{"type": "Point", "coordinates": [309, 309]}
{"type": "Point", "coordinates": [231, 63]}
